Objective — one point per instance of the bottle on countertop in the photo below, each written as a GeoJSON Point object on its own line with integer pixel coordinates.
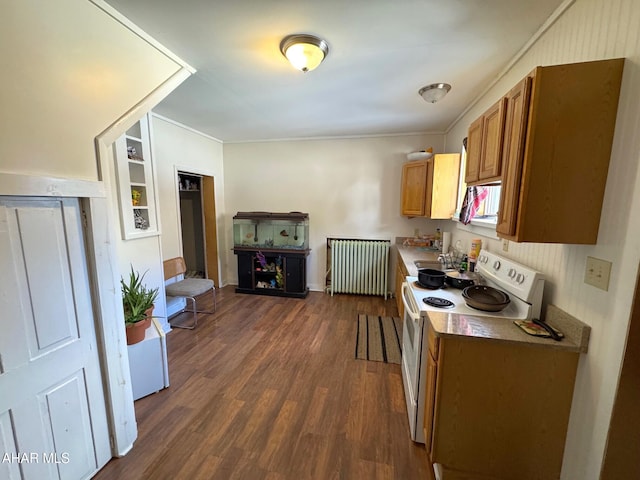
{"type": "Point", "coordinates": [476, 245]}
{"type": "Point", "coordinates": [438, 239]}
{"type": "Point", "coordinates": [464, 264]}
{"type": "Point", "coordinates": [471, 265]}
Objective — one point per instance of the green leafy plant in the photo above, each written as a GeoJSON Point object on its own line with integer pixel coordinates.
{"type": "Point", "coordinates": [136, 297]}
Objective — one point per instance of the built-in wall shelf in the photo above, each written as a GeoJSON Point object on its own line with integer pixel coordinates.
{"type": "Point", "coordinates": [136, 182]}
{"type": "Point", "coordinates": [189, 183]}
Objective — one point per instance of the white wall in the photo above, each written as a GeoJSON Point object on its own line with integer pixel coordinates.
{"type": "Point", "coordinates": [349, 186]}
{"type": "Point", "coordinates": [70, 72]}
{"type": "Point", "coordinates": [143, 254]}
{"type": "Point", "coordinates": [176, 147]}
{"type": "Point", "coordinates": [75, 71]}
{"type": "Point", "coordinates": [589, 30]}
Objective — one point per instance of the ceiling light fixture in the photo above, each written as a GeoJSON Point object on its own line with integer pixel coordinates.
{"type": "Point", "coordinates": [305, 52]}
{"type": "Point", "coordinates": [434, 92]}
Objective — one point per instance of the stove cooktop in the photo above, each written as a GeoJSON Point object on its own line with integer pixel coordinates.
{"type": "Point", "coordinates": [438, 302]}
{"type": "Point", "coordinates": [517, 309]}
{"type": "Point", "coordinates": [523, 285]}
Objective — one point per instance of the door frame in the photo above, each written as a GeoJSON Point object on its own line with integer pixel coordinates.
{"type": "Point", "coordinates": [100, 256]}
{"type": "Point", "coordinates": [209, 218]}
{"type": "Point", "coordinates": [83, 332]}
{"type": "Point", "coordinates": [620, 460]}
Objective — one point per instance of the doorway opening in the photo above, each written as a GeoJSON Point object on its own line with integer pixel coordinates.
{"type": "Point", "coordinates": [198, 225]}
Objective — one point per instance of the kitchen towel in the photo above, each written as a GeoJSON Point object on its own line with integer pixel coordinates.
{"type": "Point", "coordinates": [472, 200]}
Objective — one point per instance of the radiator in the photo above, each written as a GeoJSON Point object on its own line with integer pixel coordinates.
{"type": "Point", "coordinates": [359, 266]}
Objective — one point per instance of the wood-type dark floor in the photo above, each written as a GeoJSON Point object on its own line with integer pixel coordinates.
{"type": "Point", "coordinates": [268, 388]}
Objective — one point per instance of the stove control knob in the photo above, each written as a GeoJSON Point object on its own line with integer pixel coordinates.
{"type": "Point", "coordinates": [512, 273]}
{"type": "Point", "coordinates": [496, 265]}
{"type": "Point", "coordinates": [520, 278]}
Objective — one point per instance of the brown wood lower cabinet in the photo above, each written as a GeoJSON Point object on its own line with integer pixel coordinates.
{"type": "Point", "coordinates": [401, 274]}
{"type": "Point", "coordinates": [497, 410]}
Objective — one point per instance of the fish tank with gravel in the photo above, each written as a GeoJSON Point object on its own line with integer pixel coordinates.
{"type": "Point", "coordinates": [268, 230]}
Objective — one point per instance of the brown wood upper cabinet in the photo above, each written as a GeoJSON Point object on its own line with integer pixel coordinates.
{"type": "Point", "coordinates": [558, 133]}
{"type": "Point", "coordinates": [484, 146]}
{"type": "Point", "coordinates": [430, 187]}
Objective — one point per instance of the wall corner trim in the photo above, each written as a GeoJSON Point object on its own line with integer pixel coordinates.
{"type": "Point", "coordinates": [117, 16]}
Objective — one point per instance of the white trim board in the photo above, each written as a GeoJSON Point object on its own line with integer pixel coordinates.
{"type": "Point", "coordinates": [116, 15]}
{"type": "Point", "coordinates": [38, 186]}
{"type": "Point", "coordinates": [120, 126]}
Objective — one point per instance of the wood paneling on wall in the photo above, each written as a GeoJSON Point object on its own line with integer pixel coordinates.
{"type": "Point", "coordinates": [588, 30]}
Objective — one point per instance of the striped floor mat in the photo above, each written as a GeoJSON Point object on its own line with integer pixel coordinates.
{"type": "Point", "coordinates": [379, 338]}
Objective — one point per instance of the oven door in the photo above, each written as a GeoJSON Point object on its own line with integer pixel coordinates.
{"type": "Point", "coordinates": [411, 337]}
{"type": "Point", "coordinates": [412, 333]}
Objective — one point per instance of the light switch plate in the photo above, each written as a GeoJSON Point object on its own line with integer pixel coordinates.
{"type": "Point", "coordinates": [597, 273]}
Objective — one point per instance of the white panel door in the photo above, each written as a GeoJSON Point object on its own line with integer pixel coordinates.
{"type": "Point", "coordinates": [53, 421]}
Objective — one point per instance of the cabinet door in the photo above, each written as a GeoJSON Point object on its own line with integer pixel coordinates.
{"type": "Point", "coordinates": [492, 136]}
{"type": "Point", "coordinates": [474, 150]}
{"type": "Point", "coordinates": [295, 274]}
{"type": "Point", "coordinates": [398, 291]}
{"type": "Point", "coordinates": [516, 121]}
{"type": "Point", "coordinates": [429, 186]}
{"type": "Point", "coordinates": [442, 186]}
{"type": "Point", "coordinates": [414, 182]}
{"type": "Point", "coordinates": [401, 273]}
{"type": "Point", "coordinates": [430, 402]}
{"type": "Point", "coordinates": [245, 270]}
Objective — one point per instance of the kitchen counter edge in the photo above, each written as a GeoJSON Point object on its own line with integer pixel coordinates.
{"type": "Point", "coordinates": [503, 330]}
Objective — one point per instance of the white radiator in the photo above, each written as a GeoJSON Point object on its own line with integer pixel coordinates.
{"type": "Point", "coordinates": [359, 266]}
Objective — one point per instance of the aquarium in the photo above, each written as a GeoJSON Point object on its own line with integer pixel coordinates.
{"type": "Point", "coordinates": [262, 230]}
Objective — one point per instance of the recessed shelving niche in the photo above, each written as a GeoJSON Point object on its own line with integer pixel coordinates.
{"type": "Point", "coordinates": [136, 182]}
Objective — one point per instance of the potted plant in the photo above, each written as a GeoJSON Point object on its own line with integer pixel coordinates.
{"type": "Point", "coordinates": [137, 301]}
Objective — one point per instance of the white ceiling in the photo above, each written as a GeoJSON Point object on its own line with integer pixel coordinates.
{"type": "Point", "coordinates": [381, 53]}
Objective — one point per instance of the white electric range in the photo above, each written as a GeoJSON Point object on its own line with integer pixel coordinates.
{"type": "Point", "coordinates": [523, 285]}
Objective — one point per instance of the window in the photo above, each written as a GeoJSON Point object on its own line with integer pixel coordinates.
{"type": "Point", "coordinates": [489, 207]}
{"type": "Point", "coordinates": [487, 214]}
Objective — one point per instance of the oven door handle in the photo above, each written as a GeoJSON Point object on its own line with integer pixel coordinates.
{"type": "Point", "coordinates": [410, 306]}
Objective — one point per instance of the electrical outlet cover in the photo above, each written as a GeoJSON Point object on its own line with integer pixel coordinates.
{"type": "Point", "coordinates": [597, 273]}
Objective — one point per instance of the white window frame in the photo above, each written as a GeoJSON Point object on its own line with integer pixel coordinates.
{"type": "Point", "coordinates": [485, 225]}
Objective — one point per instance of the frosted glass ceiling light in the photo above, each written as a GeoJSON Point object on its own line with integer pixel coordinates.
{"type": "Point", "coordinates": [305, 52]}
{"type": "Point", "coordinates": [434, 92]}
